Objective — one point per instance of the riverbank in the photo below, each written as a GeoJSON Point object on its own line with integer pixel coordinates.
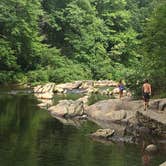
{"type": "Point", "coordinates": [125, 116]}
{"type": "Point", "coordinates": [30, 136]}
{"type": "Point", "coordinates": [118, 129]}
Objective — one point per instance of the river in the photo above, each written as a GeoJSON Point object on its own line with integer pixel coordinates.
{"type": "Point", "coordinates": [29, 136]}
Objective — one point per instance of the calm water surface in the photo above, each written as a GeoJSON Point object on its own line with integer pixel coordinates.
{"type": "Point", "coordinates": [29, 136]}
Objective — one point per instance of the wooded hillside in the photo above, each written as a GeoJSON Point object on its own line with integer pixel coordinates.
{"type": "Point", "coordinates": [60, 41]}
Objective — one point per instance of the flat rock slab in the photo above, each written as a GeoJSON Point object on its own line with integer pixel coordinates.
{"type": "Point", "coordinates": [155, 115]}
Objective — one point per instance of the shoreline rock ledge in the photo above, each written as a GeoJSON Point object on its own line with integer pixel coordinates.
{"type": "Point", "coordinates": [127, 117]}
{"type": "Point", "coordinates": [85, 85]}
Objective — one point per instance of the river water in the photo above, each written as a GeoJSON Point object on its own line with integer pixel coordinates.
{"type": "Point", "coordinates": [29, 136]}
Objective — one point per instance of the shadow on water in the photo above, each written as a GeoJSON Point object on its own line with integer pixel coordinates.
{"type": "Point", "coordinates": [29, 136]}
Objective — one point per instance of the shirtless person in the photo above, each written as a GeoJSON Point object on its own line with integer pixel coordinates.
{"type": "Point", "coordinates": [146, 92]}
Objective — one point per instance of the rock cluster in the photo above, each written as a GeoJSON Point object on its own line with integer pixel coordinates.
{"type": "Point", "coordinates": [127, 117]}
{"type": "Point", "coordinates": [44, 88]}
{"type": "Point", "coordinates": [87, 86]}
{"type": "Point", "coordinates": [122, 116]}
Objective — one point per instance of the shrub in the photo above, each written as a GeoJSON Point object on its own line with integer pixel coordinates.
{"type": "Point", "coordinates": [37, 76]}
{"type": "Point", "coordinates": [69, 73]}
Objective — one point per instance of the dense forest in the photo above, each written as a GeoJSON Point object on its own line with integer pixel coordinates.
{"type": "Point", "coordinates": [65, 40]}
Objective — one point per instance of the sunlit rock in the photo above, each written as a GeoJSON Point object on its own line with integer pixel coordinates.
{"type": "Point", "coordinates": [47, 95]}
{"type": "Point", "coordinates": [67, 108]}
{"type": "Point", "coordinates": [103, 133]}
{"type": "Point", "coordinates": [44, 88]}
{"type": "Point", "coordinates": [151, 148]}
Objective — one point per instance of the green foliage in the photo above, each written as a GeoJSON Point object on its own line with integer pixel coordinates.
{"type": "Point", "coordinates": [154, 42]}
{"type": "Point", "coordinates": [38, 76]}
{"type": "Point", "coordinates": [12, 77]}
{"type": "Point", "coordinates": [5, 77]}
{"type": "Point", "coordinates": [120, 71]}
{"type": "Point", "coordinates": [82, 36]}
{"type": "Point", "coordinates": [151, 63]}
{"type": "Point", "coordinates": [121, 37]}
{"type": "Point", "coordinates": [19, 19]}
{"type": "Point", "coordinates": [7, 59]}
{"type": "Point", "coordinates": [134, 80]}
{"type": "Point", "coordinates": [69, 73]}
{"type": "Point", "coordinates": [19, 77]}
{"type": "Point", "coordinates": [67, 40]}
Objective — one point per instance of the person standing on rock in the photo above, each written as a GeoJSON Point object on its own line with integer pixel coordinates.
{"type": "Point", "coordinates": [121, 88]}
{"type": "Point", "coordinates": [146, 92]}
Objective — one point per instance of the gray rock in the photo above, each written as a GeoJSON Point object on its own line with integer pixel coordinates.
{"type": "Point", "coordinates": [151, 148]}
{"type": "Point", "coordinates": [67, 108]}
{"type": "Point", "coordinates": [60, 88]}
{"type": "Point", "coordinates": [103, 133]}
{"type": "Point", "coordinates": [158, 104]}
{"type": "Point", "coordinates": [162, 105]}
{"type": "Point", "coordinates": [84, 99]}
{"type": "Point", "coordinates": [113, 110]}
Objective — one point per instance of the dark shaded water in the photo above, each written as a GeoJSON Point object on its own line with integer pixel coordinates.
{"type": "Point", "coordinates": [29, 136]}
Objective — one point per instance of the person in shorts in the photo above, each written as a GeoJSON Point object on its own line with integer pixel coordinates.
{"type": "Point", "coordinates": [121, 88]}
{"type": "Point", "coordinates": [146, 92]}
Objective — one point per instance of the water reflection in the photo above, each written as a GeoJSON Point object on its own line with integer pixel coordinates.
{"type": "Point", "coordinates": [29, 136]}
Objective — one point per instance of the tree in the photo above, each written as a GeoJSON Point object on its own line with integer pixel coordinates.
{"type": "Point", "coordinates": [79, 34]}
{"type": "Point", "coordinates": [19, 20]}
{"type": "Point", "coordinates": [154, 61]}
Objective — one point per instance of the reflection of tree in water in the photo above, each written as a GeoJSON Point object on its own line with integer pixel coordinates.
{"type": "Point", "coordinates": [146, 159]}
{"type": "Point", "coordinates": [62, 144]}
{"type": "Point", "coordinates": [30, 137]}
{"type": "Point", "coordinates": [19, 123]}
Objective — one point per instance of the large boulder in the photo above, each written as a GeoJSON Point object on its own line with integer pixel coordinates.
{"type": "Point", "coordinates": [87, 84]}
{"type": "Point", "coordinates": [67, 108]}
{"type": "Point", "coordinates": [151, 148]}
{"type": "Point", "coordinates": [67, 86]}
{"type": "Point", "coordinates": [47, 88]}
{"type": "Point", "coordinates": [113, 109]}
{"type": "Point", "coordinates": [124, 115]}
{"type": "Point", "coordinates": [114, 114]}
{"type": "Point", "coordinates": [84, 99]}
